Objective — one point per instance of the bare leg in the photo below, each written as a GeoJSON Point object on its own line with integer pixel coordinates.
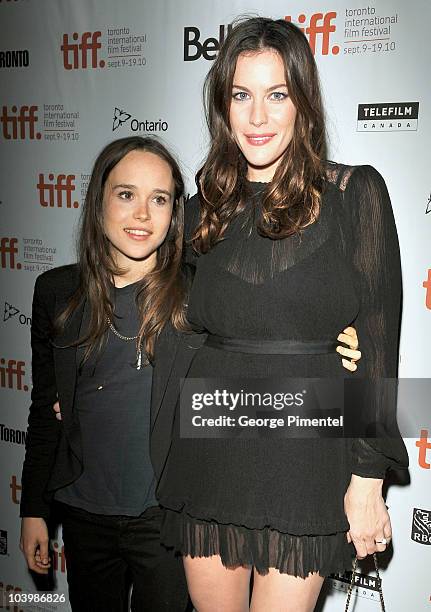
{"type": "Point", "coordinates": [215, 588]}
{"type": "Point", "coordinates": [276, 592]}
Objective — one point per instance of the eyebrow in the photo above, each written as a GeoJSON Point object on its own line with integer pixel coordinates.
{"type": "Point", "coordinates": [156, 190]}
{"type": "Point", "coordinates": [269, 88]}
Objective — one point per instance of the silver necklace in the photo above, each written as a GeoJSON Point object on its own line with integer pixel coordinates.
{"type": "Point", "coordinates": [128, 339]}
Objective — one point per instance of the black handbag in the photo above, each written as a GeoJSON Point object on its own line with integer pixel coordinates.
{"type": "Point", "coordinates": [379, 582]}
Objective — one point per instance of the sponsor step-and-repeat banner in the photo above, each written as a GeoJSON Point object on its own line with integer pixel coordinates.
{"type": "Point", "coordinates": [75, 75]}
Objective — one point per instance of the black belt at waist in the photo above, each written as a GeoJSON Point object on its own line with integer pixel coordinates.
{"type": "Point", "coordinates": [271, 347]}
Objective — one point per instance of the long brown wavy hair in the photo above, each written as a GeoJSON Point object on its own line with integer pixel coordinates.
{"type": "Point", "coordinates": [292, 199]}
{"type": "Point", "coordinates": [160, 294]}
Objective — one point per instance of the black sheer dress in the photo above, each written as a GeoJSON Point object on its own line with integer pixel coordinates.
{"type": "Point", "coordinates": [279, 503]}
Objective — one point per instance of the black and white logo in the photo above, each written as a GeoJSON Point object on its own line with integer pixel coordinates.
{"type": "Point", "coordinates": [14, 58]}
{"type": "Point", "coordinates": [364, 585]}
{"type": "Point", "coordinates": [428, 208]}
{"type": "Point", "coordinates": [388, 117]}
{"type": "Point", "coordinates": [9, 311]}
{"type": "Point", "coordinates": [120, 117]}
{"type": "Point", "coordinates": [421, 526]}
{"type": "Point", "coordinates": [136, 125]}
{"type": "Point", "coordinates": [3, 542]}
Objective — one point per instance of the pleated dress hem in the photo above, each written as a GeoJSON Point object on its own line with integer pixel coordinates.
{"type": "Point", "coordinates": [262, 548]}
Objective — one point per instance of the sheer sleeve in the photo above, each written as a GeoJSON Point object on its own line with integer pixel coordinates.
{"type": "Point", "coordinates": [375, 257]}
{"type": "Point", "coordinates": [191, 220]}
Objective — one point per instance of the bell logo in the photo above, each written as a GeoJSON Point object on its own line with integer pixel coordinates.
{"type": "Point", "coordinates": [51, 191]}
{"type": "Point", "coordinates": [194, 49]}
{"type": "Point", "coordinates": [12, 374]}
{"type": "Point", "coordinates": [427, 285]}
{"type": "Point", "coordinates": [75, 55]}
{"type": "Point", "coordinates": [23, 118]}
{"type": "Point", "coordinates": [319, 24]}
{"type": "Point", "coordinates": [8, 250]}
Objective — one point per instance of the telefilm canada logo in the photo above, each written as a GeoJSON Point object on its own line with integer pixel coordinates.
{"type": "Point", "coordinates": [122, 117]}
{"type": "Point", "coordinates": [317, 27]}
{"type": "Point", "coordinates": [421, 526]}
{"type": "Point", "coordinates": [364, 585]}
{"type": "Point", "coordinates": [388, 117]}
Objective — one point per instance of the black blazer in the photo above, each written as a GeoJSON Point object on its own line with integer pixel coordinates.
{"type": "Point", "coordinates": [53, 456]}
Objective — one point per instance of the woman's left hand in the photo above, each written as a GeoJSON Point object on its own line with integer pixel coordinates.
{"type": "Point", "coordinates": [367, 515]}
{"type": "Point", "coordinates": [349, 337]}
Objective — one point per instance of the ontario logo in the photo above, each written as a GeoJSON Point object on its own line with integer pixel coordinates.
{"type": "Point", "coordinates": [121, 117]}
{"type": "Point", "coordinates": [388, 117]}
{"type": "Point", "coordinates": [421, 526]}
{"type": "Point", "coordinates": [10, 312]}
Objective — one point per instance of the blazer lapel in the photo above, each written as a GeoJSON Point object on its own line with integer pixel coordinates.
{"type": "Point", "coordinates": [166, 352]}
{"type": "Point", "coordinates": [66, 372]}
{"type": "Point", "coordinates": [171, 368]}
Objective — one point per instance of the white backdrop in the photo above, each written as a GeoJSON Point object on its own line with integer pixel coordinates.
{"type": "Point", "coordinates": [75, 75]}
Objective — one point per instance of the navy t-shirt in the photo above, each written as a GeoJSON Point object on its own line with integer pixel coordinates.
{"type": "Point", "coordinates": [112, 402]}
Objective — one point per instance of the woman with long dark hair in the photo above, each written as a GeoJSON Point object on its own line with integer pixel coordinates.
{"type": "Point", "coordinates": [288, 248]}
{"type": "Point", "coordinates": [94, 328]}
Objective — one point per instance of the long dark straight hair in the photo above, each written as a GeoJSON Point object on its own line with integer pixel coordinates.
{"type": "Point", "coordinates": [292, 199]}
{"type": "Point", "coordinates": [160, 294]}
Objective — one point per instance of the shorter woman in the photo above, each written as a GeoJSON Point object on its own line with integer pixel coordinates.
{"type": "Point", "coordinates": [107, 311]}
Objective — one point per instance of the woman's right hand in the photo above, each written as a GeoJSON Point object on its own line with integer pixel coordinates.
{"type": "Point", "coordinates": [34, 544]}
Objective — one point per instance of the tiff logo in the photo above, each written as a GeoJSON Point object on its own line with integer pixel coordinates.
{"type": "Point", "coordinates": [320, 24]}
{"type": "Point", "coordinates": [25, 120]}
{"type": "Point", "coordinates": [8, 250]}
{"type": "Point", "coordinates": [51, 191]}
{"type": "Point", "coordinates": [72, 55]}
{"type": "Point", "coordinates": [423, 445]}
{"type": "Point", "coordinates": [427, 285]}
{"type": "Point", "coordinates": [12, 374]}
{"type": "Point", "coordinates": [59, 558]}
{"type": "Point", "coordinates": [15, 489]}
